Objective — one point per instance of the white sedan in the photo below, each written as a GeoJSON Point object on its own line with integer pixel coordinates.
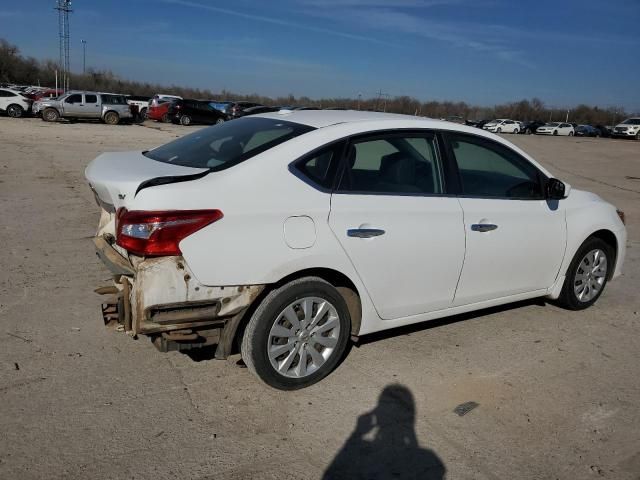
{"type": "Point", "coordinates": [502, 125]}
{"type": "Point", "coordinates": [288, 234]}
{"type": "Point", "coordinates": [556, 128]}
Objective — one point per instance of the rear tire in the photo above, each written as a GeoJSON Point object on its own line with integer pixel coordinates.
{"type": "Point", "coordinates": [165, 118]}
{"type": "Point", "coordinates": [50, 115]}
{"type": "Point", "coordinates": [555, 132]}
{"type": "Point", "coordinates": [111, 118]}
{"type": "Point", "coordinates": [586, 279]}
{"type": "Point", "coordinates": [499, 130]}
{"type": "Point", "coordinates": [571, 134]}
{"type": "Point", "coordinates": [220, 121]}
{"type": "Point", "coordinates": [185, 120]}
{"type": "Point", "coordinates": [516, 131]}
{"type": "Point", "coordinates": [15, 111]}
{"type": "Point", "coordinates": [297, 335]}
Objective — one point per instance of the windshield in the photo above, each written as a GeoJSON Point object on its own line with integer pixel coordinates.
{"type": "Point", "coordinates": [632, 121]}
{"type": "Point", "coordinates": [227, 144]}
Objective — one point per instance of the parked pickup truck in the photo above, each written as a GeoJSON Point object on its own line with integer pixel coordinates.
{"type": "Point", "coordinates": [108, 107]}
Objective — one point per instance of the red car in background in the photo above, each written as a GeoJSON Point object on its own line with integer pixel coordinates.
{"type": "Point", "coordinates": [40, 94]}
{"type": "Point", "coordinates": [159, 107]}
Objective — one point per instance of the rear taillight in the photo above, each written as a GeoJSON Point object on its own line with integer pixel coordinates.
{"type": "Point", "coordinates": [160, 233]}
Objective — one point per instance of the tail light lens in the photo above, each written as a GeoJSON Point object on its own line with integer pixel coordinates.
{"type": "Point", "coordinates": [148, 233]}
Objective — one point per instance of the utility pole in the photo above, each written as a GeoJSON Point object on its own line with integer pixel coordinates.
{"type": "Point", "coordinates": [567, 120]}
{"type": "Point", "coordinates": [380, 95]}
{"type": "Point", "coordinates": [84, 57]}
{"type": "Point", "coordinates": [359, 99]}
{"type": "Point", "coordinates": [64, 8]}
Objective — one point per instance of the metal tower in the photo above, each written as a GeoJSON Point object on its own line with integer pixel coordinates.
{"type": "Point", "coordinates": [64, 8]}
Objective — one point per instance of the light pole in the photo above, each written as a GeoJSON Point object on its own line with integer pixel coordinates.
{"type": "Point", "coordinates": [84, 56]}
{"type": "Point", "coordinates": [359, 99]}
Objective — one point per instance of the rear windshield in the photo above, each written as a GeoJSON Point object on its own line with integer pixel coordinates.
{"type": "Point", "coordinates": [227, 144]}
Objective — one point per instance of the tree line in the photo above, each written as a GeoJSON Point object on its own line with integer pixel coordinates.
{"type": "Point", "coordinates": [18, 69]}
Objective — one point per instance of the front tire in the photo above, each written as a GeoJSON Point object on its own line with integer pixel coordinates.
{"type": "Point", "coordinates": [587, 275]}
{"type": "Point", "coordinates": [555, 133]}
{"type": "Point", "coordinates": [185, 120]}
{"type": "Point", "coordinates": [220, 121]}
{"type": "Point", "coordinates": [571, 134]}
{"type": "Point", "coordinates": [15, 111]}
{"type": "Point", "coordinates": [499, 130]}
{"type": "Point", "coordinates": [50, 115]}
{"type": "Point", "coordinates": [516, 131]}
{"type": "Point", "coordinates": [297, 334]}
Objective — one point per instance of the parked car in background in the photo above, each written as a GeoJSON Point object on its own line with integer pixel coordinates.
{"type": "Point", "coordinates": [556, 128]}
{"type": "Point", "coordinates": [502, 125]}
{"type": "Point", "coordinates": [236, 109]}
{"type": "Point", "coordinates": [159, 110]}
{"type": "Point", "coordinates": [142, 104]}
{"type": "Point", "coordinates": [586, 131]}
{"type": "Point", "coordinates": [605, 130]}
{"type": "Point", "coordinates": [188, 111]}
{"type": "Point", "coordinates": [630, 128]}
{"type": "Point", "coordinates": [221, 106]}
{"type": "Point", "coordinates": [14, 103]}
{"type": "Point", "coordinates": [75, 105]}
{"type": "Point", "coordinates": [530, 127]}
{"type": "Point", "coordinates": [163, 97]}
{"type": "Point", "coordinates": [339, 194]}
{"type": "Point", "coordinates": [481, 123]}
{"type": "Point", "coordinates": [262, 109]}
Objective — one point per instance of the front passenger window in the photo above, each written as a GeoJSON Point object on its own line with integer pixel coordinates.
{"type": "Point", "coordinates": [75, 98]}
{"type": "Point", "coordinates": [488, 169]}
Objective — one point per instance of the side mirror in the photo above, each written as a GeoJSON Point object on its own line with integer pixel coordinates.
{"type": "Point", "coordinates": [556, 190]}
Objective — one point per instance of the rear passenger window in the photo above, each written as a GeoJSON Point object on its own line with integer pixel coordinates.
{"type": "Point", "coordinates": [395, 164]}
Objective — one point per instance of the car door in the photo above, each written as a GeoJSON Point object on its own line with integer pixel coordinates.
{"type": "Point", "coordinates": [515, 238]}
{"type": "Point", "coordinates": [391, 214]}
{"type": "Point", "coordinates": [91, 107]}
{"type": "Point", "coordinates": [73, 105]}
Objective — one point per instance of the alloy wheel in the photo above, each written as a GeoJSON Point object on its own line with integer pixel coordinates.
{"type": "Point", "coordinates": [14, 111]}
{"type": "Point", "coordinates": [590, 275]}
{"type": "Point", "coordinates": [303, 337]}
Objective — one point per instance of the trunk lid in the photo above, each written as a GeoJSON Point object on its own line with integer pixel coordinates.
{"type": "Point", "coordinates": [116, 176]}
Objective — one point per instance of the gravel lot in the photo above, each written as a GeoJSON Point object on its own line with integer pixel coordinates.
{"type": "Point", "coordinates": [558, 392]}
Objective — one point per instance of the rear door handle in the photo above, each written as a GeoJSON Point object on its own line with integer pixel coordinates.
{"type": "Point", "coordinates": [365, 232]}
{"type": "Point", "coordinates": [483, 227]}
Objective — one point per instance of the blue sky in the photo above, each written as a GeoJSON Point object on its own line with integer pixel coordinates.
{"type": "Point", "coordinates": [480, 51]}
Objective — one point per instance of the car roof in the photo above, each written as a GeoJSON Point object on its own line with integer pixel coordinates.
{"type": "Point", "coordinates": [324, 118]}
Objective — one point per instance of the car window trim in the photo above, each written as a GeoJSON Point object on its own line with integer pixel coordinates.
{"type": "Point", "coordinates": [541, 177]}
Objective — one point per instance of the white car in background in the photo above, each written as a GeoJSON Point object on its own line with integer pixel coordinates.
{"type": "Point", "coordinates": [287, 234]}
{"type": "Point", "coordinates": [502, 125]}
{"type": "Point", "coordinates": [14, 103]}
{"type": "Point", "coordinates": [556, 128]}
{"type": "Point", "coordinates": [630, 128]}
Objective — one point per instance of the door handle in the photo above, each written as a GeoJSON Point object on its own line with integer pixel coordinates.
{"type": "Point", "coordinates": [365, 232]}
{"type": "Point", "coordinates": [483, 227]}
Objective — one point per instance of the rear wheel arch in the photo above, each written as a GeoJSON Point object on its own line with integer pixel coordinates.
{"type": "Point", "coordinates": [339, 280]}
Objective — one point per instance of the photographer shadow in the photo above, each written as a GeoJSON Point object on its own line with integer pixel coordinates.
{"type": "Point", "coordinates": [384, 444]}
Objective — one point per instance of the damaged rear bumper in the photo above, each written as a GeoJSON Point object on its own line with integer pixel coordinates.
{"type": "Point", "coordinates": [161, 298]}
